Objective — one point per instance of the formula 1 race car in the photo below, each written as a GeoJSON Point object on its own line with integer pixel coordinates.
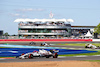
{"type": "Point", "coordinates": [45, 44]}
{"type": "Point", "coordinates": [40, 53]}
{"type": "Point", "coordinates": [91, 46]}
{"type": "Point", "coordinates": [32, 43]}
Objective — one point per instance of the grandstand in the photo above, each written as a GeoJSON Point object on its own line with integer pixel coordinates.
{"type": "Point", "coordinates": [50, 28]}
{"type": "Point", "coordinates": [43, 28]}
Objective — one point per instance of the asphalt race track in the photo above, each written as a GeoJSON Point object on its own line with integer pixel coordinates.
{"type": "Point", "coordinates": [51, 59]}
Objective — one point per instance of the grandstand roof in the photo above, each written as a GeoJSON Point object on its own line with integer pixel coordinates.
{"type": "Point", "coordinates": [44, 20]}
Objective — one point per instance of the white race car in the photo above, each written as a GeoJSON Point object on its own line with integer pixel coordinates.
{"type": "Point", "coordinates": [45, 44]}
{"type": "Point", "coordinates": [40, 53]}
{"type": "Point", "coordinates": [91, 46]}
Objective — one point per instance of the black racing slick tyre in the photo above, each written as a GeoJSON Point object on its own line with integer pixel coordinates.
{"type": "Point", "coordinates": [17, 56]}
{"type": "Point", "coordinates": [47, 56]}
{"type": "Point", "coordinates": [86, 47]}
{"type": "Point", "coordinates": [55, 55]}
{"type": "Point", "coordinates": [32, 43]}
{"type": "Point", "coordinates": [30, 56]}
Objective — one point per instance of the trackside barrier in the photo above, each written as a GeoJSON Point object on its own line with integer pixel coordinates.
{"type": "Point", "coordinates": [96, 40]}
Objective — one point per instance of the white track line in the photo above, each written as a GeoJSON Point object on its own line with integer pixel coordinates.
{"type": "Point", "coordinates": [61, 56]}
{"type": "Point", "coordinates": [96, 55]}
{"type": "Point", "coordinates": [81, 56]}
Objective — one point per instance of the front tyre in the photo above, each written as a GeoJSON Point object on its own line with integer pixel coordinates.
{"type": "Point", "coordinates": [86, 47]}
{"type": "Point", "coordinates": [17, 56]}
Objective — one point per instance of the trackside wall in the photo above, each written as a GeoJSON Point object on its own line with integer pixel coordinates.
{"type": "Point", "coordinates": [96, 40]}
{"type": "Point", "coordinates": [47, 40]}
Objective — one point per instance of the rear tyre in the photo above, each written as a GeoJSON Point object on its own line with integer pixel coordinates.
{"type": "Point", "coordinates": [55, 55]}
{"type": "Point", "coordinates": [30, 56]}
{"type": "Point", "coordinates": [98, 47]}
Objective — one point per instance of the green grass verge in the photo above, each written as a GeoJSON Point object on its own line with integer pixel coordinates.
{"type": "Point", "coordinates": [7, 57]}
{"type": "Point", "coordinates": [79, 44]}
{"type": "Point", "coordinates": [6, 47]}
{"type": "Point", "coordinates": [88, 54]}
